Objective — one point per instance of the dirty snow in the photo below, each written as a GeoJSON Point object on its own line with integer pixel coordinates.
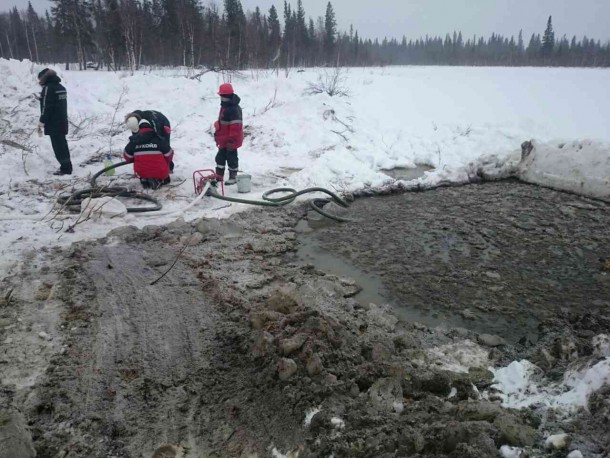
{"type": "Point", "coordinates": [506, 451]}
{"type": "Point", "coordinates": [309, 414]}
{"type": "Point", "coordinates": [557, 442]}
{"type": "Point", "coordinates": [337, 422]}
{"type": "Point", "coordinates": [522, 384]}
{"type": "Point", "coordinates": [457, 357]}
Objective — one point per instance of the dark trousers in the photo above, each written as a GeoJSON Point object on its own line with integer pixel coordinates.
{"type": "Point", "coordinates": [167, 137]}
{"type": "Point", "coordinates": [228, 157]}
{"type": "Point", "coordinates": [151, 183]}
{"type": "Point", "coordinates": [62, 153]}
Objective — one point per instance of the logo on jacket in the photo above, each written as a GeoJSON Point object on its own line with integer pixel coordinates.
{"type": "Point", "coordinates": [147, 145]}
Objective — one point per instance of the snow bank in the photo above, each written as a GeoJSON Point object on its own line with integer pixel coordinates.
{"type": "Point", "coordinates": [462, 121]}
{"type": "Point", "coordinates": [522, 384]}
{"type": "Point", "coordinates": [579, 166]}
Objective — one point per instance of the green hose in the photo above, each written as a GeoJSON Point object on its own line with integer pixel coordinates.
{"type": "Point", "coordinates": [315, 204]}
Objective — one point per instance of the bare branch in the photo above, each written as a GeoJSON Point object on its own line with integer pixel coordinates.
{"type": "Point", "coordinates": [186, 245]}
{"type": "Point", "coordinates": [331, 83]}
{"type": "Point", "coordinates": [118, 106]}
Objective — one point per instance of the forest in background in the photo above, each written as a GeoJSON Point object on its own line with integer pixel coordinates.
{"type": "Point", "coordinates": [129, 34]}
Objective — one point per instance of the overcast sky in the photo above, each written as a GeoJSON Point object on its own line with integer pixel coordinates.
{"type": "Point", "coordinates": [415, 18]}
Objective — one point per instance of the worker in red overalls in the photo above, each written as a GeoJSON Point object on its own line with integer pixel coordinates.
{"type": "Point", "coordinates": [229, 133]}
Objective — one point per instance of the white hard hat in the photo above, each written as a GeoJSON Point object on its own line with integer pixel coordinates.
{"type": "Point", "coordinates": [132, 124]}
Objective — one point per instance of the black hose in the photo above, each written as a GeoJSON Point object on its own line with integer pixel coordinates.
{"type": "Point", "coordinates": [73, 201]}
{"type": "Point", "coordinates": [316, 204]}
{"type": "Point", "coordinates": [104, 170]}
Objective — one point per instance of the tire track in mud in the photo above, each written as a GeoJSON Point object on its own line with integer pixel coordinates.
{"type": "Point", "coordinates": [153, 366]}
{"type": "Point", "coordinates": [134, 352]}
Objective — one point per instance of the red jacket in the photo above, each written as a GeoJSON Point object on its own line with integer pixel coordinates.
{"type": "Point", "coordinates": [149, 153]}
{"type": "Point", "coordinates": [229, 127]}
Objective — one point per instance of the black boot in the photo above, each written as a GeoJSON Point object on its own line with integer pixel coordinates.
{"type": "Point", "coordinates": [147, 183]}
{"type": "Point", "coordinates": [220, 171]}
{"type": "Point", "coordinates": [232, 178]}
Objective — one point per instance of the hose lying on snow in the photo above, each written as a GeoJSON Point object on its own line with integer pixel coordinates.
{"type": "Point", "coordinates": [73, 201]}
{"type": "Point", "coordinates": [316, 204]}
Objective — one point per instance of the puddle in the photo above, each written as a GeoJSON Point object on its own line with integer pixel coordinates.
{"type": "Point", "coordinates": [373, 290]}
{"type": "Point", "coordinates": [408, 174]}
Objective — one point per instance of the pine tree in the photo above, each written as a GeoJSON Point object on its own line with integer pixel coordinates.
{"type": "Point", "coordinates": [112, 34]}
{"type": "Point", "coordinates": [548, 41]}
{"type": "Point", "coordinates": [289, 37]}
{"type": "Point", "coordinates": [533, 49]}
{"type": "Point", "coordinates": [6, 49]}
{"type": "Point", "coordinates": [235, 20]}
{"type": "Point", "coordinates": [33, 30]}
{"type": "Point", "coordinates": [300, 23]}
{"type": "Point", "coordinates": [330, 32]}
{"type": "Point", "coordinates": [275, 34]}
{"type": "Point", "coordinates": [49, 45]}
{"type": "Point", "coordinates": [72, 20]}
{"type": "Point", "coordinates": [520, 48]}
{"type": "Point", "coordinates": [18, 36]}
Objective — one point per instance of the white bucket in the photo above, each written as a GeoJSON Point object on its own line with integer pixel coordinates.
{"type": "Point", "coordinates": [244, 182]}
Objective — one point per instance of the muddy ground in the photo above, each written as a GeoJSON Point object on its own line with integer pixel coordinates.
{"type": "Point", "coordinates": [505, 258]}
{"type": "Point", "coordinates": [246, 348]}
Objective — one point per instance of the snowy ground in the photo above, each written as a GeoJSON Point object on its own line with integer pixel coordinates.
{"type": "Point", "coordinates": [444, 117]}
{"type": "Point", "coordinates": [394, 117]}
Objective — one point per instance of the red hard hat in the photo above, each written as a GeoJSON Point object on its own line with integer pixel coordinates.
{"type": "Point", "coordinates": [225, 89]}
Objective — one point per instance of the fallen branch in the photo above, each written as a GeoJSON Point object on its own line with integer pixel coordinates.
{"type": "Point", "coordinates": [16, 145]}
{"type": "Point", "coordinates": [215, 69]}
{"type": "Point", "coordinates": [340, 134]}
{"type": "Point", "coordinates": [186, 245]}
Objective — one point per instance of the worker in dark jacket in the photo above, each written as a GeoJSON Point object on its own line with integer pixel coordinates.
{"type": "Point", "coordinates": [229, 133]}
{"type": "Point", "coordinates": [151, 156]}
{"type": "Point", "coordinates": [157, 120]}
{"type": "Point", "coordinates": [54, 117]}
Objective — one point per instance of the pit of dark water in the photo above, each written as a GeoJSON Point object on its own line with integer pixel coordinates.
{"type": "Point", "coordinates": [498, 258]}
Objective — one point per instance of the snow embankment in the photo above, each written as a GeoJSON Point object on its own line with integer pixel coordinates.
{"type": "Point", "coordinates": [582, 167]}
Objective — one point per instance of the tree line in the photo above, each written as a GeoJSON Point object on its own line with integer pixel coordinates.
{"type": "Point", "coordinates": [129, 34]}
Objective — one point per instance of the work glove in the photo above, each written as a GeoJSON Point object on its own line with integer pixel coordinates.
{"type": "Point", "coordinates": [40, 129]}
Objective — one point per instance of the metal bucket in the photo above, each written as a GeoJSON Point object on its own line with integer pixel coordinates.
{"type": "Point", "coordinates": [244, 182]}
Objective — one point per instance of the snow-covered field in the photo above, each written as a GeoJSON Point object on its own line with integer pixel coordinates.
{"type": "Point", "coordinates": [444, 117]}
